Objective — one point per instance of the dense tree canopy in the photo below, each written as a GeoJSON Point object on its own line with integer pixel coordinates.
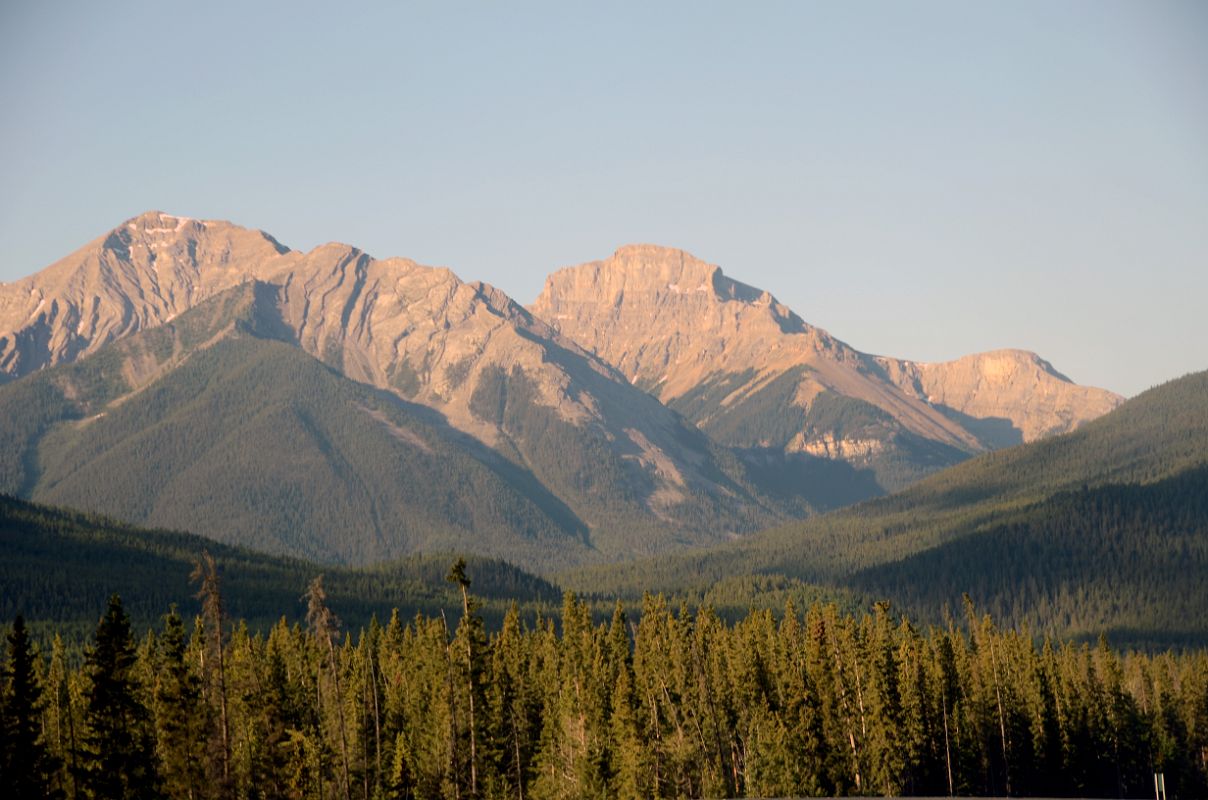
{"type": "Point", "coordinates": [666, 703]}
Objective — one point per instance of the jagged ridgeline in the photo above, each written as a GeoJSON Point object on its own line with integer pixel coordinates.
{"type": "Point", "coordinates": [801, 406]}
{"type": "Point", "coordinates": [1105, 528]}
{"type": "Point", "coordinates": [675, 705]}
{"type": "Point", "coordinates": [216, 422]}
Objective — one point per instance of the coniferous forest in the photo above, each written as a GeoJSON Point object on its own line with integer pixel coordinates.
{"type": "Point", "coordinates": [654, 702]}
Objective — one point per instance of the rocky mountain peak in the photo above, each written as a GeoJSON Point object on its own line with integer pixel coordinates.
{"type": "Point", "coordinates": [653, 272]}
{"type": "Point", "coordinates": [723, 352]}
{"type": "Point", "coordinates": [142, 273]}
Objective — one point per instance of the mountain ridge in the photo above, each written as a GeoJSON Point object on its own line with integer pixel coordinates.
{"type": "Point", "coordinates": [706, 344]}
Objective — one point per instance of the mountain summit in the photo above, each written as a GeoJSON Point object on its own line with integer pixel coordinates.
{"type": "Point", "coordinates": [754, 375]}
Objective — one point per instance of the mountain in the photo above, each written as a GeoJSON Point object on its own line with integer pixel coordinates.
{"type": "Point", "coordinates": [1103, 528]}
{"type": "Point", "coordinates": [197, 375]}
{"type": "Point", "coordinates": [755, 376]}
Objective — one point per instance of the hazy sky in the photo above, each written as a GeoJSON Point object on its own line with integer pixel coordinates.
{"type": "Point", "coordinates": [921, 179]}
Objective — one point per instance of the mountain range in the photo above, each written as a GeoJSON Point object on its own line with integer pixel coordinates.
{"type": "Point", "coordinates": [202, 376]}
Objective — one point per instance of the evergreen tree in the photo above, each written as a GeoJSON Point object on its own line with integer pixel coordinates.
{"type": "Point", "coordinates": [180, 716]}
{"type": "Point", "coordinates": [118, 754]}
{"type": "Point", "coordinates": [325, 627]}
{"type": "Point", "coordinates": [61, 717]}
{"type": "Point", "coordinates": [27, 766]}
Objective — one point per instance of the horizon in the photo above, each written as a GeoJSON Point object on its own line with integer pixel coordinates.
{"type": "Point", "coordinates": [924, 183]}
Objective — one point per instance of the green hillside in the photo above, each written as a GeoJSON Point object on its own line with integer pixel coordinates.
{"type": "Point", "coordinates": [59, 567]}
{"type": "Point", "coordinates": [219, 424]}
{"type": "Point", "coordinates": [212, 424]}
{"type": "Point", "coordinates": [1101, 529]}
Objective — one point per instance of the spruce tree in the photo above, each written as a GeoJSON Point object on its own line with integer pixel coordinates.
{"type": "Point", "coordinates": [27, 765]}
{"type": "Point", "coordinates": [118, 757]}
{"type": "Point", "coordinates": [180, 716]}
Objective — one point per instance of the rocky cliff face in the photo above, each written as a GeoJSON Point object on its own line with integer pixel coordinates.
{"type": "Point", "coordinates": [136, 276]}
{"type": "Point", "coordinates": [719, 350]}
{"type": "Point", "coordinates": [418, 330]}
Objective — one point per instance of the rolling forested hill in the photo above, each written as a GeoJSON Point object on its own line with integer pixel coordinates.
{"type": "Point", "coordinates": [1105, 528]}
{"type": "Point", "coordinates": [59, 567]}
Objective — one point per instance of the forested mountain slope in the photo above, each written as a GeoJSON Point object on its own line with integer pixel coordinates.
{"type": "Point", "coordinates": [217, 422]}
{"type": "Point", "coordinates": [60, 566]}
{"type": "Point", "coordinates": [209, 424]}
{"type": "Point", "coordinates": [1102, 528]}
{"type": "Point", "coordinates": [791, 420]}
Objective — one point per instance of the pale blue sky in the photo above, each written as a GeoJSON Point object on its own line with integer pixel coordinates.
{"type": "Point", "coordinates": [922, 179]}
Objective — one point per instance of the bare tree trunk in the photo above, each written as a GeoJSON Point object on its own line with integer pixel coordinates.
{"type": "Point", "coordinates": [947, 748]}
{"type": "Point", "coordinates": [1002, 724]}
{"type": "Point", "coordinates": [335, 677]}
{"type": "Point", "coordinates": [205, 572]}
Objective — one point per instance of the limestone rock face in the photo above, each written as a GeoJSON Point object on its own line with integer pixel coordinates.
{"type": "Point", "coordinates": [713, 348]}
{"type": "Point", "coordinates": [391, 323]}
{"type": "Point", "coordinates": [138, 275]}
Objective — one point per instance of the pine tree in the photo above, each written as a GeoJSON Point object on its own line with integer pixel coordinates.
{"type": "Point", "coordinates": [28, 766]}
{"type": "Point", "coordinates": [61, 717]}
{"type": "Point", "coordinates": [180, 716]}
{"type": "Point", "coordinates": [118, 755]}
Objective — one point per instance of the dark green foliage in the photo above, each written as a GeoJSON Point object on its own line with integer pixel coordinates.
{"type": "Point", "coordinates": [1146, 544]}
{"type": "Point", "coordinates": [181, 719]}
{"type": "Point", "coordinates": [117, 759]}
{"type": "Point", "coordinates": [26, 766]}
{"type": "Point", "coordinates": [60, 566]}
{"type": "Point", "coordinates": [679, 704]}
